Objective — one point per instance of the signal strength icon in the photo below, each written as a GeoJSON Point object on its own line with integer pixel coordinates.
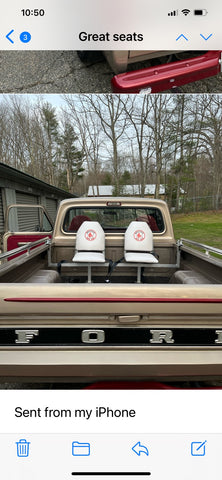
{"type": "Point", "coordinates": [185, 11]}
{"type": "Point", "coordinates": [174, 13]}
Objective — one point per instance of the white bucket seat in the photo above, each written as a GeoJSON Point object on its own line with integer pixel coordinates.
{"type": "Point", "coordinates": [138, 247]}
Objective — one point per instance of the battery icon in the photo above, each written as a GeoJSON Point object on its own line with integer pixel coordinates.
{"type": "Point", "coordinates": [202, 12]}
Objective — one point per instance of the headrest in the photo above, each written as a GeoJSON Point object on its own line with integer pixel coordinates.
{"type": "Point", "coordinates": [90, 236]}
{"type": "Point", "coordinates": [139, 237]}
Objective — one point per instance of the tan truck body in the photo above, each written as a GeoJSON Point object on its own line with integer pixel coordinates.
{"type": "Point", "coordinates": [120, 59]}
{"type": "Point", "coordinates": [54, 324]}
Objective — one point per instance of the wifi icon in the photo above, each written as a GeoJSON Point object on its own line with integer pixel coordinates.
{"type": "Point", "coordinates": [185, 11]}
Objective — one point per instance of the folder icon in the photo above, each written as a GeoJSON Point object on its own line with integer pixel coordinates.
{"type": "Point", "coordinates": [80, 449]}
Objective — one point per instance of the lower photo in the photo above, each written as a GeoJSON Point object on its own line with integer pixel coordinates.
{"type": "Point", "coordinates": [111, 242]}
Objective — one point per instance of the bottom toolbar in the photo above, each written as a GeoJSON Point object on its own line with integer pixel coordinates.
{"type": "Point", "coordinates": [111, 456]}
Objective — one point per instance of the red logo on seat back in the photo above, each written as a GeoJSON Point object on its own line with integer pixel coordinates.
{"type": "Point", "coordinates": [90, 235]}
{"type": "Point", "coordinates": [139, 235]}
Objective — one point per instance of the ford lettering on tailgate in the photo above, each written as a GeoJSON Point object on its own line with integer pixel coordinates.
{"type": "Point", "coordinates": [108, 337]}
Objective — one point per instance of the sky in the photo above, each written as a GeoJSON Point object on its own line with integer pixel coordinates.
{"type": "Point", "coordinates": [56, 100]}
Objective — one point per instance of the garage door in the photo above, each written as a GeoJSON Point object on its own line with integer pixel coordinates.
{"type": "Point", "coordinates": [51, 207]}
{"type": "Point", "coordinates": [28, 218]}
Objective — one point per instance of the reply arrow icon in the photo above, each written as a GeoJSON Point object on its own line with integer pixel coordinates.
{"type": "Point", "coordinates": [138, 449]}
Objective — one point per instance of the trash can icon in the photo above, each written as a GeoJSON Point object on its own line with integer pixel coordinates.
{"type": "Point", "coordinates": [22, 448]}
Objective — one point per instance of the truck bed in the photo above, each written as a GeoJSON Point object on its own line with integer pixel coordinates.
{"type": "Point", "coordinates": [179, 264]}
{"type": "Point", "coordinates": [124, 320]}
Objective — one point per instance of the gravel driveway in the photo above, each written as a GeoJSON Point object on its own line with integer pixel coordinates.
{"type": "Point", "coordinates": [63, 72]}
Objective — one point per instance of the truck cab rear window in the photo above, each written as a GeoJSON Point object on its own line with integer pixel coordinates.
{"type": "Point", "coordinates": [113, 218]}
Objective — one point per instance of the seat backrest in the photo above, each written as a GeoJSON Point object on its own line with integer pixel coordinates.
{"type": "Point", "coordinates": [91, 237]}
{"type": "Point", "coordinates": [138, 238]}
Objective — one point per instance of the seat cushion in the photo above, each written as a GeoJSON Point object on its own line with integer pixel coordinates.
{"type": "Point", "coordinates": [140, 257]}
{"type": "Point", "coordinates": [89, 257]}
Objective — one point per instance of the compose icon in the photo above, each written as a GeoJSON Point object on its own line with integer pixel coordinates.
{"type": "Point", "coordinates": [198, 449]}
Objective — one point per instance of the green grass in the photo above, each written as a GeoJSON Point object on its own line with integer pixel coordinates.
{"type": "Point", "coordinates": [203, 227]}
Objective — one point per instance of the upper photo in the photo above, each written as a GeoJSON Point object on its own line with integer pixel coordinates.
{"type": "Point", "coordinates": [119, 71]}
{"type": "Point", "coordinates": [90, 47]}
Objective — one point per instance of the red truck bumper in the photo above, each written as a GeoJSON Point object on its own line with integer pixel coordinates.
{"type": "Point", "coordinates": [168, 76]}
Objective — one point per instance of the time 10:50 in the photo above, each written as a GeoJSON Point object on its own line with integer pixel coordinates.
{"type": "Point", "coordinates": [36, 12]}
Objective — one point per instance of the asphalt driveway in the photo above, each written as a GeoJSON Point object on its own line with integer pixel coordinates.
{"type": "Point", "coordinates": [63, 72]}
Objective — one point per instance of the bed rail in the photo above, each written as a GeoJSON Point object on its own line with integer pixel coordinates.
{"type": "Point", "coordinates": [20, 255]}
{"type": "Point", "coordinates": [207, 249]}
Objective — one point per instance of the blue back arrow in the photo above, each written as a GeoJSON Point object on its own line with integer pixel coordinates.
{"type": "Point", "coordinates": [8, 36]}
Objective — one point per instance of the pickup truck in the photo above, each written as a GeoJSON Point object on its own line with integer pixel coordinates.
{"type": "Point", "coordinates": [109, 294]}
{"type": "Point", "coordinates": [167, 70]}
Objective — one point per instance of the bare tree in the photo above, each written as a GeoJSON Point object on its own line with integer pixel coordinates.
{"type": "Point", "coordinates": [88, 128]}
{"type": "Point", "coordinates": [141, 143]}
{"type": "Point", "coordinates": [113, 121]}
{"type": "Point", "coordinates": [158, 122]}
{"type": "Point", "coordinates": [210, 135]}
